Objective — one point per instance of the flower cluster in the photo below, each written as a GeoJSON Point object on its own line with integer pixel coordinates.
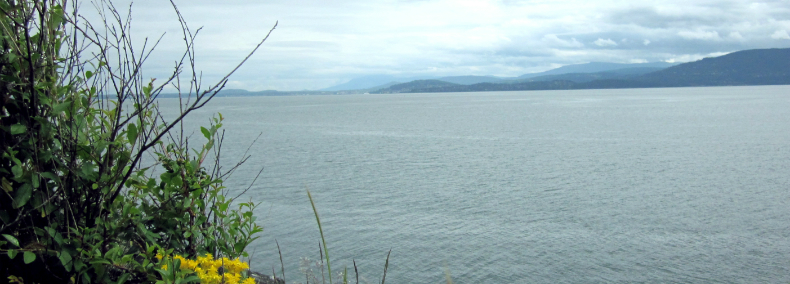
{"type": "Point", "coordinates": [214, 271]}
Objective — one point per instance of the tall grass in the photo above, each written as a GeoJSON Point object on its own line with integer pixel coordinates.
{"type": "Point", "coordinates": [386, 265]}
{"type": "Point", "coordinates": [326, 250]}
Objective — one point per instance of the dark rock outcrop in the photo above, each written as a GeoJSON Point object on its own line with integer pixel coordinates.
{"type": "Point", "coordinates": [261, 278]}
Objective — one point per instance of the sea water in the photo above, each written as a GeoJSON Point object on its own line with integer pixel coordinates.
{"type": "Point", "coordinates": [668, 185]}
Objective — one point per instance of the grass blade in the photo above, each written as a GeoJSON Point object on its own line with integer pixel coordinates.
{"type": "Point", "coordinates": [447, 274]}
{"type": "Point", "coordinates": [355, 270]}
{"type": "Point", "coordinates": [326, 250]}
{"type": "Point", "coordinates": [282, 266]}
{"type": "Point", "coordinates": [320, 256]}
{"type": "Point", "coordinates": [386, 265]}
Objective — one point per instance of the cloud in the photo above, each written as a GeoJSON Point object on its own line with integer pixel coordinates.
{"type": "Point", "coordinates": [694, 57]}
{"type": "Point", "coordinates": [780, 34]}
{"type": "Point", "coordinates": [735, 36]}
{"type": "Point", "coordinates": [604, 42]}
{"type": "Point", "coordinates": [672, 16]}
{"type": "Point", "coordinates": [553, 40]}
{"type": "Point", "coordinates": [318, 43]}
{"type": "Point", "coordinates": [699, 35]}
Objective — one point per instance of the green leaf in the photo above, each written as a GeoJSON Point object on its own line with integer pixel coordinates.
{"type": "Point", "coordinates": [88, 171]}
{"type": "Point", "coordinates": [65, 258]}
{"type": "Point", "coordinates": [147, 89]}
{"type": "Point", "coordinates": [176, 181]}
{"type": "Point", "coordinates": [131, 132]}
{"type": "Point", "coordinates": [11, 240]}
{"type": "Point", "coordinates": [29, 257]}
{"type": "Point", "coordinates": [12, 253]}
{"type": "Point", "coordinates": [58, 108]}
{"type": "Point", "coordinates": [88, 74]}
{"type": "Point", "coordinates": [17, 171]}
{"type": "Point", "coordinates": [51, 176]}
{"type": "Point", "coordinates": [34, 178]}
{"type": "Point", "coordinates": [22, 195]}
{"type": "Point", "coordinates": [57, 17]}
{"type": "Point", "coordinates": [4, 217]}
{"type": "Point", "coordinates": [7, 185]}
{"type": "Point", "coordinates": [205, 132]}
{"type": "Point", "coordinates": [86, 278]}
{"type": "Point", "coordinates": [240, 246]}
{"type": "Point", "coordinates": [124, 277]}
{"type": "Point", "coordinates": [58, 238]}
{"type": "Point", "coordinates": [101, 261]}
{"type": "Point", "coordinates": [18, 129]}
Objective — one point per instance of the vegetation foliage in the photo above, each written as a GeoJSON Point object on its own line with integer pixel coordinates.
{"type": "Point", "coordinates": [77, 204]}
{"type": "Point", "coordinates": [205, 268]}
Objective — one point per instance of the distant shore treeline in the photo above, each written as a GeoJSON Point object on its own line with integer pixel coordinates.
{"type": "Point", "coordinates": [742, 68]}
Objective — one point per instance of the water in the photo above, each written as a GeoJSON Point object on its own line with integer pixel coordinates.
{"type": "Point", "coordinates": [594, 186]}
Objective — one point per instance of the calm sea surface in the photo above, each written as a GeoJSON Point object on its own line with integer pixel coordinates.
{"type": "Point", "coordinates": [678, 185]}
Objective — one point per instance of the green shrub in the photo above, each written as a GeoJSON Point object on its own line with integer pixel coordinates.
{"type": "Point", "coordinates": [77, 118]}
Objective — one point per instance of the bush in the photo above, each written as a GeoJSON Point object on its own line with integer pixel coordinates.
{"type": "Point", "coordinates": [77, 205]}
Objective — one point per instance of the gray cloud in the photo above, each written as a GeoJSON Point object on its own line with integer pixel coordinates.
{"type": "Point", "coordinates": [651, 17]}
{"type": "Point", "coordinates": [318, 43]}
{"type": "Point", "coordinates": [604, 42]}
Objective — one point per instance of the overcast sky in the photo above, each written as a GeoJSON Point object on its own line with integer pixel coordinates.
{"type": "Point", "coordinates": [318, 44]}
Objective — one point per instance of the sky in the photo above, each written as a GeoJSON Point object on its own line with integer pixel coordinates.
{"type": "Point", "coordinates": [318, 44]}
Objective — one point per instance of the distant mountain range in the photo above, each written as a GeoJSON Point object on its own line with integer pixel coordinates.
{"type": "Point", "coordinates": [376, 82]}
{"type": "Point", "coordinates": [748, 67]}
{"type": "Point", "coordinates": [595, 67]}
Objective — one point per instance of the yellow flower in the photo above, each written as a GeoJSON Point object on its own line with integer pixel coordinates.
{"type": "Point", "coordinates": [191, 264]}
{"type": "Point", "coordinates": [207, 269]}
{"type": "Point", "coordinates": [183, 261]}
{"type": "Point", "coordinates": [159, 256]}
{"type": "Point", "coordinates": [164, 266]}
{"type": "Point", "coordinates": [237, 266]}
{"type": "Point", "coordinates": [212, 278]}
{"type": "Point", "coordinates": [232, 278]}
{"type": "Point", "coordinates": [215, 265]}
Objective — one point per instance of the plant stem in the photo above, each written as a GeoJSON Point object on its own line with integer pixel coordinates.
{"type": "Point", "coordinates": [326, 250]}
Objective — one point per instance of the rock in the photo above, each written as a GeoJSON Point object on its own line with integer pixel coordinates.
{"type": "Point", "coordinates": [265, 279]}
